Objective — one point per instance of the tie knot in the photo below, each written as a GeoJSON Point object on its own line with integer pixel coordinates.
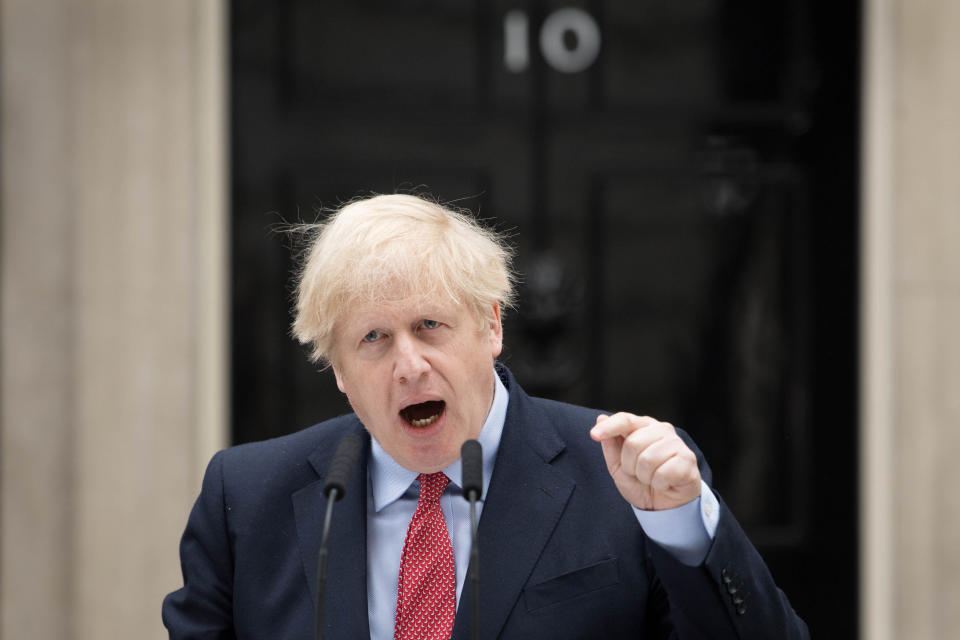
{"type": "Point", "coordinates": [432, 486]}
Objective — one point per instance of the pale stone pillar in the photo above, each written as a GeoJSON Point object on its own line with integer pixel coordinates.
{"type": "Point", "coordinates": [36, 352]}
{"type": "Point", "coordinates": [911, 316]}
{"type": "Point", "coordinates": [113, 304]}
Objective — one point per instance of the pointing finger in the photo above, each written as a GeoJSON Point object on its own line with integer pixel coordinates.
{"type": "Point", "coordinates": [600, 418]}
{"type": "Point", "coordinates": [619, 424]}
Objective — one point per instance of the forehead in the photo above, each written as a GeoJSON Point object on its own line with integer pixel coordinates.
{"type": "Point", "coordinates": [360, 313]}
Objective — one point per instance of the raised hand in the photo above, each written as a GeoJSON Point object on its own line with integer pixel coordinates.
{"type": "Point", "coordinates": [651, 466]}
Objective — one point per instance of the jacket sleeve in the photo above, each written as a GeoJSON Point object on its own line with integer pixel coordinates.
{"type": "Point", "coordinates": [730, 595]}
{"type": "Point", "coordinates": [203, 607]}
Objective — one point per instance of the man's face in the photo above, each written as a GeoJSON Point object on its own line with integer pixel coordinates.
{"type": "Point", "coordinates": [419, 375]}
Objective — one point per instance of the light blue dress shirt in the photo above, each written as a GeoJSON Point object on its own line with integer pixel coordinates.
{"type": "Point", "coordinates": [392, 499]}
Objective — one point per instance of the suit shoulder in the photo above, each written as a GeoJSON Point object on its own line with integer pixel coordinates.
{"type": "Point", "coordinates": [567, 416]}
{"type": "Point", "coordinates": [284, 455]}
{"type": "Point", "coordinates": [293, 442]}
{"type": "Point", "coordinates": [563, 413]}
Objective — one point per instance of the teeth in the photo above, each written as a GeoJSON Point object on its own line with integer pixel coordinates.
{"type": "Point", "coordinates": [425, 421]}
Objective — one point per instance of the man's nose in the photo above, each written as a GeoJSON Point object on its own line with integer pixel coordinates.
{"type": "Point", "coordinates": [411, 362]}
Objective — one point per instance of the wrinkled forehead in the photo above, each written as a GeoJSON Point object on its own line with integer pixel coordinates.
{"type": "Point", "coordinates": [391, 291]}
{"type": "Point", "coordinates": [402, 308]}
{"type": "Point", "coordinates": [391, 288]}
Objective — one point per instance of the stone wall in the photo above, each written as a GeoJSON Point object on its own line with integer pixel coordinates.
{"type": "Point", "coordinates": [113, 290]}
{"type": "Point", "coordinates": [911, 315]}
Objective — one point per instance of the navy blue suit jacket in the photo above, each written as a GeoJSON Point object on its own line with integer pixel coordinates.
{"type": "Point", "coordinates": [562, 555]}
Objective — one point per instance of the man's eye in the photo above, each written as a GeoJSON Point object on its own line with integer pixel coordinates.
{"type": "Point", "coordinates": [430, 324]}
{"type": "Point", "coordinates": [372, 336]}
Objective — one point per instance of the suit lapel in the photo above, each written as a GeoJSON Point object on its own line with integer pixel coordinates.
{"type": "Point", "coordinates": [345, 610]}
{"type": "Point", "coordinates": [526, 498]}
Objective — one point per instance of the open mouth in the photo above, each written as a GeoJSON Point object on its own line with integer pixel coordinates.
{"type": "Point", "coordinates": [423, 414]}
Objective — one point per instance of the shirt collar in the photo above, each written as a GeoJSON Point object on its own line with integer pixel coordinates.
{"type": "Point", "coordinates": [389, 481]}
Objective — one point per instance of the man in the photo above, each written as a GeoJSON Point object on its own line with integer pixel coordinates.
{"type": "Point", "coordinates": [403, 299]}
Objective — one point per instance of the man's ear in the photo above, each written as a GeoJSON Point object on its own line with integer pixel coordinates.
{"type": "Point", "coordinates": [495, 324]}
{"type": "Point", "coordinates": [336, 374]}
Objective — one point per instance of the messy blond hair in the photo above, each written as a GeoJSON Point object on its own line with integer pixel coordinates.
{"type": "Point", "coordinates": [389, 247]}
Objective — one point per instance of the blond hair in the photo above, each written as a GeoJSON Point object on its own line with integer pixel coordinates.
{"type": "Point", "coordinates": [390, 247]}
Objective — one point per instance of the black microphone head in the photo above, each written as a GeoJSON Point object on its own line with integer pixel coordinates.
{"type": "Point", "coordinates": [471, 468]}
{"type": "Point", "coordinates": [342, 466]}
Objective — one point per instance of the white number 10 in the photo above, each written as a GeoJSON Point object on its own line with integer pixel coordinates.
{"type": "Point", "coordinates": [565, 58]}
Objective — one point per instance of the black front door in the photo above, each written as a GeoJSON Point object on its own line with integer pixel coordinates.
{"type": "Point", "coordinates": [678, 178]}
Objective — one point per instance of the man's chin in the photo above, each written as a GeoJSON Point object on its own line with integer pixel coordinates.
{"type": "Point", "coordinates": [429, 462]}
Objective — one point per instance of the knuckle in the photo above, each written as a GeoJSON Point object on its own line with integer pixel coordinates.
{"type": "Point", "coordinates": [635, 443]}
{"type": "Point", "coordinates": [648, 458]}
{"type": "Point", "coordinates": [631, 447]}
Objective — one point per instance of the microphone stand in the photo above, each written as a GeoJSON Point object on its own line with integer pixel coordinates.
{"type": "Point", "coordinates": [474, 573]}
{"type": "Point", "coordinates": [322, 562]}
{"type": "Point", "coordinates": [338, 475]}
{"type": "Point", "coordinates": [471, 460]}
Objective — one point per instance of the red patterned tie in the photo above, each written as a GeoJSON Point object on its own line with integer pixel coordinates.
{"type": "Point", "coordinates": [427, 590]}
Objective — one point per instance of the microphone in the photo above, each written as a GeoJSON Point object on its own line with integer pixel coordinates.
{"type": "Point", "coordinates": [338, 476]}
{"type": "Point", "coordinates": [471, 475]}
{"type": "Point", "coordinates": [471, 469]}
{"type": "Point", "coordinates": [343, 460]}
